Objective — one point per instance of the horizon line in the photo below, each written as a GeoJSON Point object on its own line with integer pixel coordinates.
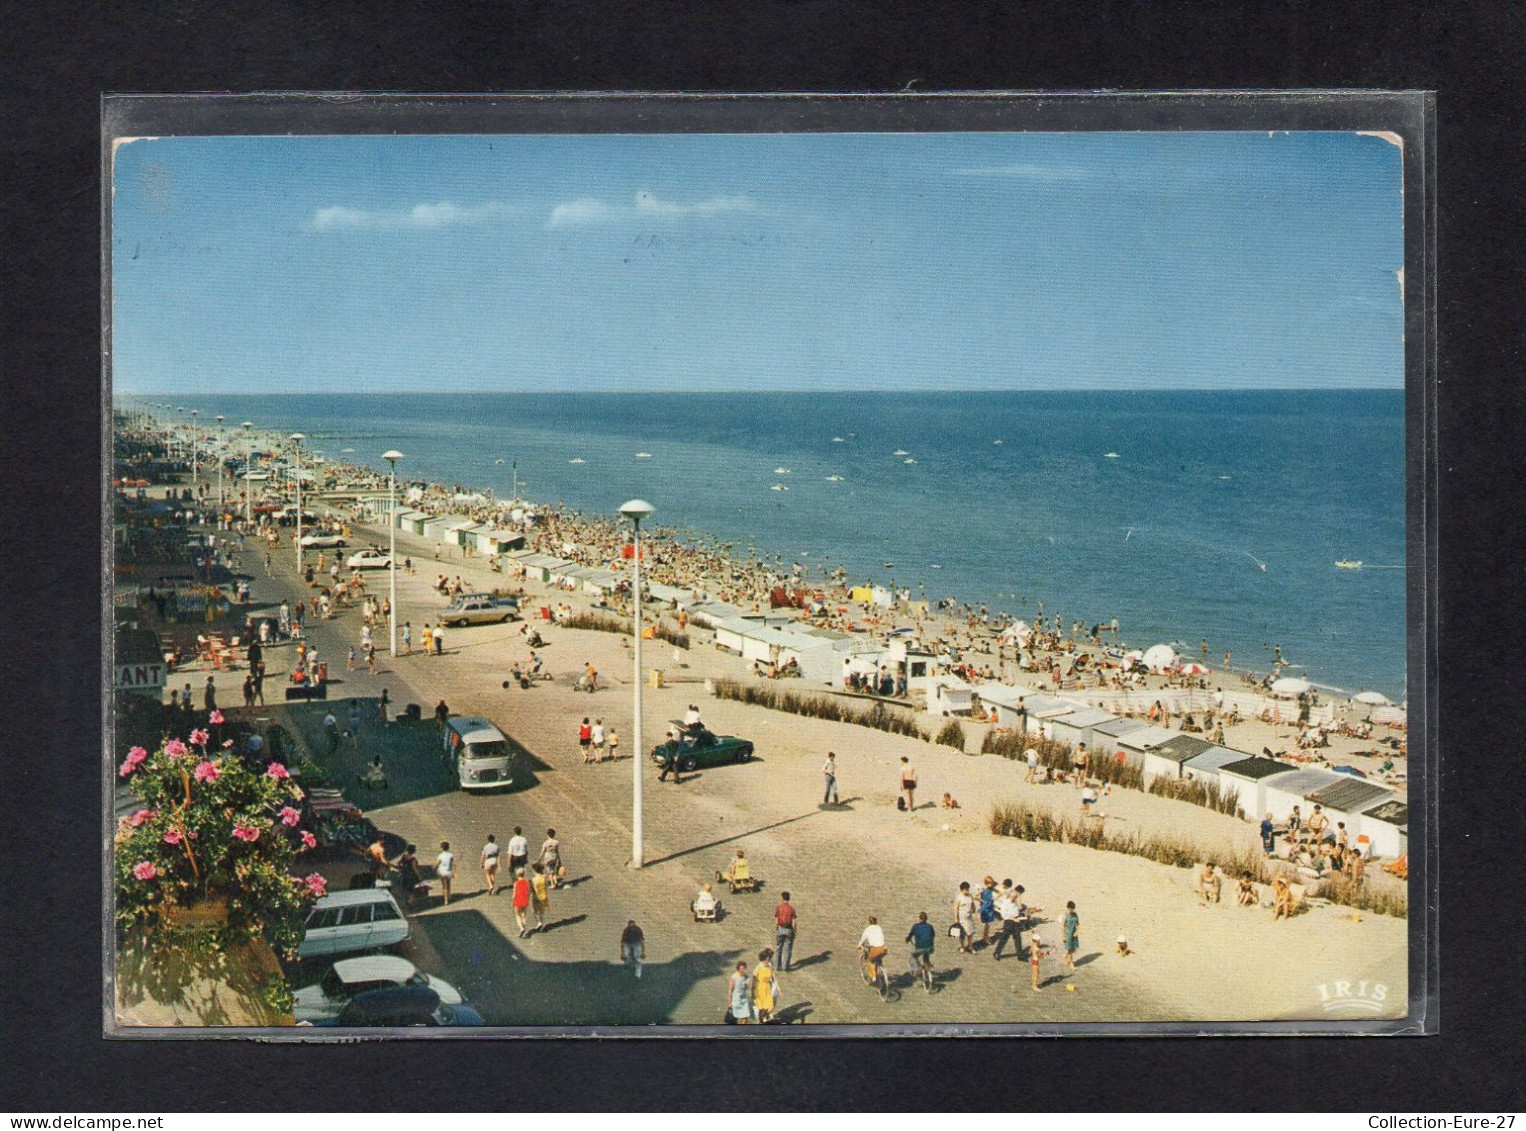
{"type": "Point", "coordinates": [791, 390]}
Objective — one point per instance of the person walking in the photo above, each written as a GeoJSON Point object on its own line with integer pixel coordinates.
{"type": "Point", "coordinates": [385, 705]}
{"type": "Point", "coordinates": [490, 864]}
{"type": "Point", "coordinates": [988, 915]}
{"type": "Point", "coordinates": [585, 740]}
{"type": "Point", "coordinates": [540, 896]}
{"type": "Point", "coordinates": [738, 997]}
{"type": "Point", "coordinates": [1036, 951]}
{"type": "Point", "coordinates": [439, 640]}
{"type": "Point", "coordinates": [1081, 763]}
{"type": "Point", "coordinates": [1010, 908]}
{"type": "Point", "coordinates": [407, 637]}
{"type": "Point", "coordinates": [331, 731]}
{"type": "Point", "coordinates": [632, 946]}
{"type": "Point", "coordinates": [426, 638]}
{"type": "Point", "coordinates": [208, 696]}
{"type": "Point", "coordinates": [445, 868]}
{"type": "Point", "coordinates": [551, 858]}
{"type": "Point", "coordinates": [764, 988]}
{"type": "Point", "coordinates": [249, 691]}
{"type": "Point", "coordinates": [370, 659]}
{"type": "Point", "coordinates": [829, 771]}
{"type": "Point", "coordinates": [785, 920]}
{"type": "Point", "coordinates": [519, 851]}
{"type": "Point", "coordinates": [1268, 835]}
{"type": "Point", "coordinates": [964, 915]}
{"type": "Point", "coordinates": [908, 783]}
{"type": "Point", "coordinates": [1071, 934]}
{"type": "Point", "coordinates": [1031, 756]}
{"type": "Point", "coordinates": [597, 737]}
{"type": "Point", "coordinates": [521, 901]}
{"type": "Point", "coordinates": [612, 744]}
{"type": "Point", "coordinates": [349, 663]}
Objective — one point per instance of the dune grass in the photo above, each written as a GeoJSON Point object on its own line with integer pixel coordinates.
{"type": "Point", "coordinates": [878, 716]}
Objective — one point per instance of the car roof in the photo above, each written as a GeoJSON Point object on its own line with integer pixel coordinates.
{"type": "Point", "coordinates": [417, 1001]}
{"type": "Point", "coordinates": [375, 968]}
{"type": "Point", "coordinates": [360, 895]}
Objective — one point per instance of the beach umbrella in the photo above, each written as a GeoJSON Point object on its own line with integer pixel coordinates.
{"type": "Point", "coordinates": [1372, 698]}
{"type": "Point", "coordinates": [1194, 669]}
{"type": "Point", "coordinates": [1159, 657]}
{"type": "Point", "coordinates": [1291, 686]}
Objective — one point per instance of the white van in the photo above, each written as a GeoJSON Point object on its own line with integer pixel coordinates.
{"type": "Point", "coordinates": [484, 757]}
{"type": "Point", "coordinates": [344, 922]}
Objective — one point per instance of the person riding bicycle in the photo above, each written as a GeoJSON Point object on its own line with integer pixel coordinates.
{"type": "Point", "coordinates": [922, 937]}
{"type": "Point", "coordinates": [872, 945]}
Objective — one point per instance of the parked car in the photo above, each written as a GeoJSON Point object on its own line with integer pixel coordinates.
{"type": "Point", "coordinates": [322, 542]}
{"type": "Point", "coordinates": [703, 749]}
{"type": "Point", "coordinates": [370, 559]}
{"type": "Point", "coordinates": [402, 1006]}
{"type": "Point", "coordinates": [351, 977]}
{"type": "Point", "coordinates": [478, 608]}
{"type": "Point", "coordinates": [344, 922]}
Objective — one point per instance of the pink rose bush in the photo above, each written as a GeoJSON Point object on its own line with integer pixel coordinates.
{"type": "Point", "coordinates": [212, 831]}
{"type": "Point", "coordinates": [216, 718]}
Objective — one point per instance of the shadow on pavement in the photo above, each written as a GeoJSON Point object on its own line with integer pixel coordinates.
{"type": "Point", "coordinates": [733, 837]}
{"type": "Point", "coordinates": [509, 986]}
{"type": "Point", "coordinates": [815, 959]}
{"type": "Point", "coordinates": [1086, 960]}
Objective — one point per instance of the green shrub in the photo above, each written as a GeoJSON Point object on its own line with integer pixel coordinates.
{"type": "Point", "coordinates": [878, 716]}
{"type": "Point", "coordinates": [952, 734]}
{"type": "Point", "coordinates": [1210, 795]}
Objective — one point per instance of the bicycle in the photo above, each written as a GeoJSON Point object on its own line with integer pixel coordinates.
{"type": "Point", "coordinates": [922, 968]}
{"type": "Point", "coordinates": [879, 979]}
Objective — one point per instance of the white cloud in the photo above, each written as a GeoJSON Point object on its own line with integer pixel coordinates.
{"type": "Point", "coordinates": [584, 210]}
{"type": "Point", "coordinates": [436, 215]}
{"type": "Point", "coordinates": [646, 202]}
{"type": "Point", "coordinates": [1048, 174]}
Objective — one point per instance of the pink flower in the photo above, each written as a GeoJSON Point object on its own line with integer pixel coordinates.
{"type": "Point", "coordinates": [174, 748]}
{"type": "Point", "coordinates": [206, 771]}
{"type": "Point", "coordinates": [144, 871]}
{"type": "Point", "coordinates": [309, 840]}
{"type": "Point", "coordinates": [289, 816]}
{"type": "Point", "coordinates": [200, 738]}
{"type": "Point", "coordinates": [134, 759]}
{"type": "Point", "coordinates": [141, 817]}
{"type": "Point", "coordinates": [216, 718]}
{"type": "Point", "coordinates": [277, 771]}
{"type": "Point", "coordinates": [172, 836]}
{"type": "Point", "coordinates": [244, 832]}
{"type": "Point", "coordinates": [316, 884]}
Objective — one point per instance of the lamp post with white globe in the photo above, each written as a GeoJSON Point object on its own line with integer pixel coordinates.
{"type": "Point", "coordinates": [195, 453]}
{"type": "Point", "coordinates": [636, 510]}
{"type": "Point", "coordinates": [248, 471]}
{"type": "Point", "coordinates": [221, 459]}
{"type": "Point", "coordinates": [392, 457]}
{"type": "Point", "coordinates": [296, 441]}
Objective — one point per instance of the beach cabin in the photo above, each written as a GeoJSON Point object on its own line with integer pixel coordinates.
{"type": "Point", "coordinates": [1169, 758]}
{"type": "Point", "coordinates": [732, 633]}
{"type": "Point", "coordinates": [1106, 735]}
{"type": "Point", "coordinates": [600, 581]}
{"type": "Point", "coordinates": [410, 521]}
{"type": "Point", "coordinates": [1248, 776]}
{"type": "Point", "coordinates": [1386, 826]}
{"type": "Point", "coordinates": [950, 695]}
{"type": "Point", "coordinates": [666, 594]}
{"type": "Point", "coordinates": [819, 657]}
{"type": "Point", "coordinates": [443, 527]}
{"type": "Point", "coordinates": [538, 567]}
{"type": "Point", "coordinates": [1132, 746]}
{"type": "Point", "coordinates": [1205, 765]}
{"type": "Point", "coordinates": [710, 613]}
{"type": "Point", "coordinates": [1292, 787]}
{"type": "Point", "coordinates": [1075, 727]}
{"type": "Point", "coordinates": [1347, 801]}
{"type": "Point", "coordinates": [466, 536]}
{"type": "Point", "coordinates": [490, 541]}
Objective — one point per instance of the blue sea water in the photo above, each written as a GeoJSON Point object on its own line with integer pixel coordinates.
{"type": "Point", "coordinates": [1166, 537]}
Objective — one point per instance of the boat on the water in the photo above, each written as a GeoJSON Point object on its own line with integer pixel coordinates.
{"type": "Point", "coordinates": [778, 487]}
{"type": "Point", "coordinates": [899, 452]}
{"type": "Point", "coordinates": [643, 455]}
{"type": "Point", "coordinates": [1357, 564]}
{"type": "Point", "coordinates": [1111, 455]}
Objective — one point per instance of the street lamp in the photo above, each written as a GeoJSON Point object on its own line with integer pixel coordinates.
{"type": "Point", "coordinates": [195, 466]}
{"type": "Point", "coordinates": [392, 457]}
{"type": "Point", "coordinates": [248, 470]}
{"type": "Point", "coordinates": [296, 440]}
{"type": "Point", "coordinates": [636, 510]}
{"type": "Point", "coordinates": [221, 459]}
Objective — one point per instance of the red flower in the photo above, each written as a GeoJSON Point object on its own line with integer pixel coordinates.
{"type": "Point", "coordinates": [216, 718]}
{"type": "Point", "coordinates": [316, 884]}
{"type": "Point", "coordinates": [200, 738]}
{"type": "Point", "coordinates": [309, 840]}
{"type": "Point", "coordinates": [206, 771]}
{"type": "Point", "coordinates": [277, 771]}
{"type": "Point", "coordinates": [244, 832]}
{"type": "Point", "coordinates": [289, 816]}
{"type": "Point", "coordinates": [172, 836]}
{"type": "Point", "coordinates": [134, 759]}
{"type": "Point", "coordinates": [144, 871]}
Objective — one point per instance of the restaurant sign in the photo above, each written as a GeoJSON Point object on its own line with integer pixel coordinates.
{"type": "Point", "coordinates": [139, 677]}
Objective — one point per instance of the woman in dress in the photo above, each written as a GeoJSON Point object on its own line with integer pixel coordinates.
{"type": "Point", "coordinates": [987, 909]}
{"type": "Point", "coordinates": [540, 896]}
{"type": "Point", "coordinates": [964, 915]}
{"type": "Point", "coordinates": [764, 985]}
{"type": "Point", "coordinates": [738, 1005]}
{"type": "Point", "coordinates": [1072, 936]}
{"type": "Point", "coordinates": [550, 858]}
{"type": "Point", "coordinates": [521, 901]}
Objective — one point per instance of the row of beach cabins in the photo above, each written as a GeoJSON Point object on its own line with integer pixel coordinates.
{"type": "Point", "coordinates": [1376, 817]}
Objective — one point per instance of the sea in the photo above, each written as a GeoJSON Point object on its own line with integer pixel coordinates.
{"type": "Point", "coordinates": [1159, 509]}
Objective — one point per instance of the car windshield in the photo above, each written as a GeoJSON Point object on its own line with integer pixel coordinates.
{"type": "Point", "coordinates": [495, 749]}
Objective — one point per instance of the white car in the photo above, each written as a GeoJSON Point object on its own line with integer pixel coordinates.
{"type": "Point", "coordinates": [322, 542]}
{"type": "Point", "coordinates": [344, 922]}
{"type": "Point", "coordinates": [352, 976]}
{"type": "Point", "coordinates": [370, 559]}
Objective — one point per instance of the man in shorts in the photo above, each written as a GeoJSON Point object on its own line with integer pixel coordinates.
{"type": "Point", "coordinates": [519, 851]}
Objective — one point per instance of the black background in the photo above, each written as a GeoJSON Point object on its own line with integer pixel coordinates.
{"type": "Point", "coordinates": [56, 60]}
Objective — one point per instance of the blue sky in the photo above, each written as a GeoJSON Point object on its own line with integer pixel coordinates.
{"type": "Point", "coordinates": [874, 262]}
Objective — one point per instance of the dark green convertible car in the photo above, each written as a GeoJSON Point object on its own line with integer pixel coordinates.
{"type": "Point", "coordinates": [703, 749]}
